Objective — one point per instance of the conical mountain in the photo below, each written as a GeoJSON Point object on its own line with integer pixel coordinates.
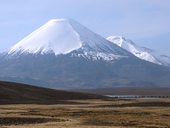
{"type": "Point", "coordinates": [65, 54]}
{"type": "Point", "coordinates": [62, 36]}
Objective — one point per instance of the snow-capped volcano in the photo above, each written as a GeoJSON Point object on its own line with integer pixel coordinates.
{"type": "Point", "coordinates": [56, 36]}
{"type": "Point", "coordinates": [65, 54]}
{"type": "Point", "coordinates": [63, 36]}
{"type": "Point", "coordinates": [140, 52]}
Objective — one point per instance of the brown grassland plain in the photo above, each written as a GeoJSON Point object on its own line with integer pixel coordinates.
{"type": "Point", "coordinates": [135, 113]}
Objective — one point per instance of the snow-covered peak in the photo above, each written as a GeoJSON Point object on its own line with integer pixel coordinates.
{"type": "Point", "coordinates": [57, 36]}
{"type": "Point", "coordinates": [123, 42]}
{"type": "Point", "coordinates": [118, 40]}
{"type": "Point", "coordinates": [140, 52]}
{"type": "Point", "coordinates": [63, 36]}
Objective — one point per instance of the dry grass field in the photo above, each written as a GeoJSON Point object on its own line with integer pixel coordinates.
{"type": "Point", "coordinates": [139, 113]}
{"type": "Point", "coordinates": [25, 106]}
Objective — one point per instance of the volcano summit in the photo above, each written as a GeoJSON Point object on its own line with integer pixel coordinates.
{"type": "Point", "coordinates": [63, 36]}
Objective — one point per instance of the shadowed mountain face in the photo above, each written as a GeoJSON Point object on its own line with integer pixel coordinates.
{"type": "Point", "coordinates": [65, 71]}
{"type": "Point", "coordinates": [15, 93]}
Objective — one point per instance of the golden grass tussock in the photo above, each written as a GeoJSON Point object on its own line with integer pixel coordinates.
{"type": "Point", "coordinates": [140, 113]}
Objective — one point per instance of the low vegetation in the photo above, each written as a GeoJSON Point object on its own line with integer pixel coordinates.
{"type": "Point", "coordinates": [139, 113]}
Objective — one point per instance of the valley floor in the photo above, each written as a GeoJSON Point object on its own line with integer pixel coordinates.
{"type": "Point", "coordinates": [134, 113]}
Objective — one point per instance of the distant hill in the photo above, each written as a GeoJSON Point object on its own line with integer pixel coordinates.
{"type": "Point", "coordinates": [15, 93]}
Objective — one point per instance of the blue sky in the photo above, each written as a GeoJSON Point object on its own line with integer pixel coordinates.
{"type": "Point", "coordinates": [146, 22]}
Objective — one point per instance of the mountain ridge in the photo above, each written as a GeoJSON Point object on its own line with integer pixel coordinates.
{"type": "Point", "coordinates": [140, 52]}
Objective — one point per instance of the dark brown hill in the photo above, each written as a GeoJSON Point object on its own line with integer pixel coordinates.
{"type": "Point", "coordinates": [16, 93]}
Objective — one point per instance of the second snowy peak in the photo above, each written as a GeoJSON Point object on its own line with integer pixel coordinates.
{"type": "Point", "coordinates": [140, 52]}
